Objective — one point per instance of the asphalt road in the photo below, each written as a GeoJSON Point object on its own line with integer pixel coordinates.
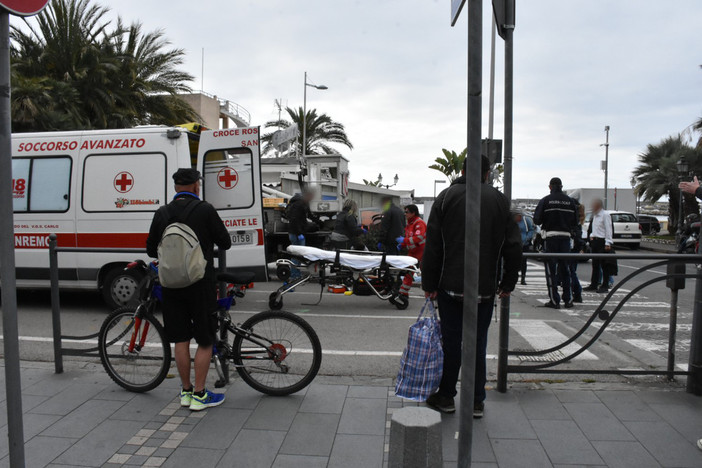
{"type": "Point", "coordinates": [364, 336]}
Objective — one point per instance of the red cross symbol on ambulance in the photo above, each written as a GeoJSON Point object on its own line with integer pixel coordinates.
{"type": "Point", "coordinates": [124, 182]}
{"type": "Point", "coordinates": [227, 178]}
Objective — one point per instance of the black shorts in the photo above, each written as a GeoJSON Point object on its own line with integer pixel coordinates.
{"type": "Point", "coordinates": [189, 313]}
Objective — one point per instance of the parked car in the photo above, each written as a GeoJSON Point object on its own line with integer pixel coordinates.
{"type": "Point", "coordinates": [649, 225]}
{"type": "Point", "coordinates": [627, 230]}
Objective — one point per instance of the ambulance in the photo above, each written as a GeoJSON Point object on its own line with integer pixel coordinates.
{"type": "Point", "coordinates": [100, 189]}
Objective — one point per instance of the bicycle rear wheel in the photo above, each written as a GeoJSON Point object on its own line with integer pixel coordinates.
{"type": "Point", "coordinates": [288, 361]}
{"type": "Point", "coordinates": [143, 367]}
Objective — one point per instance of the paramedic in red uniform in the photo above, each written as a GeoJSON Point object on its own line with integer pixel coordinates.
{"type": "Point", "coordinates": [413, 240]}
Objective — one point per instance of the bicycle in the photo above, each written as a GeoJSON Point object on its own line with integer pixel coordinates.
{"type": "Point", "coordinates": [274, 352]}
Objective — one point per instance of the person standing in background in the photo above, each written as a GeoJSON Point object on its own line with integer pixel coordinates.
{"type": "Point", "coordinates": [528, 230]}
{"type": "Point", "coordinates": [413, 240]}
{"type": "Point", "coordinates": [298, 212]}
{"type": "Point", "coordinates": [556, 215]}
{"type": "Point", "coordinates": [601, 241]}
{"type": "Point", "coordinates": [578, 247]}
{"type": "Point", "coordinates": [392, 226]}
{"type": "Point", "coordinates": [442, 277]}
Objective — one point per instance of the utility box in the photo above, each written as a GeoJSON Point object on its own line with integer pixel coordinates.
{"type": "Point", "coordinates": [677, 283]}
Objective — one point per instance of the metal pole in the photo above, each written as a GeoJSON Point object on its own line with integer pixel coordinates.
{"type": "Point", "coordinates": [55, 305]}
{"type": "Point", "coordinates": [304, 119]}
{"type": "Point", "coordinates": [672, 329]}
{"type": "Point", "coordinates": [491, 110]}
{"type": "Point", "coordinates": [472, 240]}
{"type": "Point", "coordinates": [509, 92]}
{"type": "Point", "coordinates": [606, 145]}
{"type": "Point", "coordinates": [504, 346]}
{"type": "Point", "coordinates": [8, 283]}
{"type": "Point", "coordinates": [681, 224]}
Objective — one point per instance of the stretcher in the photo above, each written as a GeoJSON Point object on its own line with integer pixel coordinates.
{"type": "Point", "coordinates": [343, 271]}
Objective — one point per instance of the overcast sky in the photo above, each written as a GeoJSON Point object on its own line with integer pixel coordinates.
{"type": "Point", "coordinates": [396, 73]}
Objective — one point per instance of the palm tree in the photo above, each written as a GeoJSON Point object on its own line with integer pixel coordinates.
{"type": "Point", "coordinates": [657, 174]}
{"type": "Point", "coordinates": [321, 132]}
{"type": "Point", "coordinates": [110, 76]}
{"type": "Point", "coordinates": [451, 164]}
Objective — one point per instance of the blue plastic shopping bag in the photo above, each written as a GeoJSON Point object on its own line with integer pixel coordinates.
{"type": "Point", "coordinates": [422, 362]}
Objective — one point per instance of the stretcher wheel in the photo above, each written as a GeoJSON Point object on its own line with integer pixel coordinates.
{"type": "Point", "coordinates": [401, 302]}
{"type": "Point", "coordinates": [274, 303]}
{"type": "Point", "coordinates": [284, 272]}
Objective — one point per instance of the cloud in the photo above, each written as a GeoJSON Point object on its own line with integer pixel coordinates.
{"type": "Point", "coordinates": [396, 74]}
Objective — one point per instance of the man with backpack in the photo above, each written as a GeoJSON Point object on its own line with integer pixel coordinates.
{"type": "Point", "coordinates": [182, 236]}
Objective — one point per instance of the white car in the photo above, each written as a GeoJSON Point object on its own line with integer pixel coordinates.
{"type": "Point", "coordinates": [627, 230]}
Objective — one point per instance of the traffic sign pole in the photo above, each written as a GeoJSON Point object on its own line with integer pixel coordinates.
{"type": "Point", "coordinates": [15, 432]}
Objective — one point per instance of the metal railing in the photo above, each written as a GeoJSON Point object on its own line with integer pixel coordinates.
{"type": "Point", "coordinates": [603, 316]}
{"type": "Point", "coordinates": [59, 349]}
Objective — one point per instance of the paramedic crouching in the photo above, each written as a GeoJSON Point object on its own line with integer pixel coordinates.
{"type": "Point", "coordinates": [187, 311]}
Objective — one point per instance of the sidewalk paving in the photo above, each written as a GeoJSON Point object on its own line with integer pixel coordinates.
{"type": "Point", "coordinates": [80, 418]}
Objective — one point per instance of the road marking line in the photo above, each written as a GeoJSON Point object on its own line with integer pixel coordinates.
{"type": "Point", "coordinates": [540, 335]}
{"type": "Point", "coordinates": [330, 352]}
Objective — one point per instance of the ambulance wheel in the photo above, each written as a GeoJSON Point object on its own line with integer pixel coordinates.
{"type": "Point", "coordinates": [275, 303]}
{"type": "Point", "coordinates": [401, 302]}
{"type": "Point", "coordinates": [121, 287]}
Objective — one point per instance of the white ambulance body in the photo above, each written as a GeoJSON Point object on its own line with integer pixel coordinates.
{"type": "Point", "coordinates": [101, 188]}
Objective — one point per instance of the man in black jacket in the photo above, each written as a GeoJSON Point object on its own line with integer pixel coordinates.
{"type": "Point", "coordinates": [442, 276]}
{"type": "Point", "coordinates": [392, 226]}
{"type": "Point", "coordinates": [187, 312]}
{"type": "Point", "coordinates": [298, 212]}
{"type": "Point", "coordinates": [556, 213]}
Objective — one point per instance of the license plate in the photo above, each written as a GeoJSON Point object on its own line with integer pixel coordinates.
{"type": "Point", "coordinates": [627, 236]}
{"type": "Point", "coordinates": [242, 239]}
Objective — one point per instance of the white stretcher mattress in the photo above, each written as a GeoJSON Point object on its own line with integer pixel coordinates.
{"type": "Point", "coordinates": [355, 261]}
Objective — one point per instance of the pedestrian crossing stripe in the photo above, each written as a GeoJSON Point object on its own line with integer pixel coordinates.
{"type": "Point", "coordinates": [540, 335]}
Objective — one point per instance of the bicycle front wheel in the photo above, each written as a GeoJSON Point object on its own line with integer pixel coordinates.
{"type": "Point", "coordinates": [133, 350]}
{"type": "Point", "coordinates": [280, 354]}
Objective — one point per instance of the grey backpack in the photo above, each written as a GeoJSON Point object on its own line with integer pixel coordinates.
{"type": "Point", "coordinates": [181, 262]}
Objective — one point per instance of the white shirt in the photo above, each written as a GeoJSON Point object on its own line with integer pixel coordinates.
{"type": "Point", "coordinates": [602, 226]}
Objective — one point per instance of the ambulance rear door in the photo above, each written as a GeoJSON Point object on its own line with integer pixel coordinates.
{"type": "Point", "coordinates": [229, 160]}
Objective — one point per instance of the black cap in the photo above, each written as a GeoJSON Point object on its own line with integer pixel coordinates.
{"type": "Point", "coordinates": [186, 176]}
{"type": "Point", "coordinates": [556, 182]}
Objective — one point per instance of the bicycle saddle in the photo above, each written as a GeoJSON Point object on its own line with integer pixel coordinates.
{"type": "Point", "coordinates": [240, 277]}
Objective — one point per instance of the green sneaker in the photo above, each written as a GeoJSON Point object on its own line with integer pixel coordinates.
{"type": "Point", "coordinates": [208, 400]}
{"type": "Point", "coordinates": [186, 398]}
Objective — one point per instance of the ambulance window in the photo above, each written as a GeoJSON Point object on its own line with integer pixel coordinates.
{"type": "Point", "coordinates": [124, 182]}
{"type": "Point", "coordinates": [20, 183]}
{"type": "Point", "coordinates": [49, 188]}
{"type": "Point", "coordinates": [41, 184]}
{"type": "Point", "coordinates": [229, 178]}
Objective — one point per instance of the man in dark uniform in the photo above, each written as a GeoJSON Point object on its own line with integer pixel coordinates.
{"type": "Point", "coordinates": [442, 277]}
{"type": "Point", "coordinates": [392, 226]}
{"type": "Point", "coordinates": [556, 213]}
{"type": "Point", "coordinates": [187, 312]}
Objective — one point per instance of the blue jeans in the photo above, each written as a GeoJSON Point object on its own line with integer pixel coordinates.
{"type": "Point", "coordinates": [451, 314]}
{"type": "Point", "coordinates": [294, 272]}
{"type": "Point", "coordinates": [557, 270]}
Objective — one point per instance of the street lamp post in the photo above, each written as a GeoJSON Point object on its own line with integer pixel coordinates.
{"type": "Point", "coordinates": [683, 168]}
{"type": "Point", "coordinates": [437, 182]}
{"type": "Point", "coordinates": [606, 164]}
{"type": "Point", "coordinates": [395, 179]}
{"type": "Point", "coordinates": [303, 151]}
